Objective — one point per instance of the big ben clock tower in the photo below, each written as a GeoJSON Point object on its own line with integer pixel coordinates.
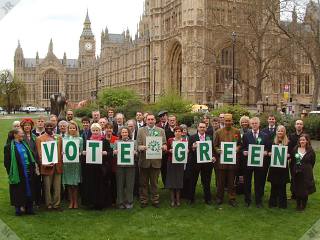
{"type": "Point", "coordinates": [87, 45]}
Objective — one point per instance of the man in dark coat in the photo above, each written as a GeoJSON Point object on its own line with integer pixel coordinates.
{"type": "Point", "coordinates": [293, 140]}
{"type": "Point", "coordinates": [194, 168]}
{"type": "Point", "coordinates": [255, 136]}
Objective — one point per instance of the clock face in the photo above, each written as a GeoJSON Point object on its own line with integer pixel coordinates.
{"type": "Point", "coordinates": [88, 46]}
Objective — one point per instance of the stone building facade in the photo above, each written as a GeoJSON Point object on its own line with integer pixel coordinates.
{"type": "Point", "coordinates": [185, 46]}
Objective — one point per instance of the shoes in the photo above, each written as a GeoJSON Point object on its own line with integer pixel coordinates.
{"type": "Point", "coordinates": [178, 204]}
{"type": "Point", "coordinates": [143, 205]}
{"type": "Point", "coordinates": [121, 206]}
{"type": "Point", "coordinates": [233, 203]}
{"type": "Point", "coordinates": [172, 204]}
{"type": "Point", "coordinates": [18, 214]}
{"type": "Point", "coordinates": [259, 205]}
{"type": "Point", "coordinates": [129, 205]}
{"type": "Point", "coordinates": [156, 205]}
{"type": "Point", "coordinates": [58, 209]}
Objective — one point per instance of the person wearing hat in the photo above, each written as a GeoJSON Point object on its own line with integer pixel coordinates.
{"type": "Point", "coordinates": [226, 173]}
{"type": "Point", "coordinates": [51, 174]}
{"type": "Point", "coordinates": [163, 116]}
{"type": "Point", "coordinates": [29, 138]}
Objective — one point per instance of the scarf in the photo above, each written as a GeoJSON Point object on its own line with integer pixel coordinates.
{"type": "Point", "coordinates": [14, 172]}
{"type": "Point", "coordinates": [96, 137]}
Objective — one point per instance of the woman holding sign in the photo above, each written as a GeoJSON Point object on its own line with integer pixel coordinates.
{"type": "Point", "coordinates": [20, 165]}
{"type": "Point", "coordinates": [278, 171]}
{"type": "Point", "coordinates": [303, 162]}
{"type": "Point", "coordinates": [125, 173]}
{"type": "Point", "coordinates": [71, 176]}
{"type": "Point", "coordinates": [99, 192]}
{"type": "Point", "coordinates": [174, 180]}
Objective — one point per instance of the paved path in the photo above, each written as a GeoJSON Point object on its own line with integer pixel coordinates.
{"type": "Point", "coordinates": [6, 233]}
{"type": "Point", "coordinates": [313, 233]}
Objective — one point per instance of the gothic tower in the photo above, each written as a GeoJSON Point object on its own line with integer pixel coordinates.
{"type": "Point", "coordinates": [87, 45]}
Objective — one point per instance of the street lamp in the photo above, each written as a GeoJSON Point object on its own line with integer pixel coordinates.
{"type": "Point", "coordinates": [155, 59]}
{"type": "Point", "coordinates": [234, 35]}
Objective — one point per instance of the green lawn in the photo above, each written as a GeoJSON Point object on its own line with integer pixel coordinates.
{"type": "Point", "coordinates": [197, 222]}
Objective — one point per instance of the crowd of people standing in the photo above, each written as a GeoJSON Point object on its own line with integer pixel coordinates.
{"type": "Point", "coordinates": [32, 184]}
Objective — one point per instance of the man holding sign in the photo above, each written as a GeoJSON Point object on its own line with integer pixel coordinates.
{"type": "Point", "coordinates": [226, 165]}
{"type": "Point", "coordinates": [200, 161]}
{"type": "Point", "coordinates": [150, 168]}
{"type": "Point", "coordinates": [255, 149]}
{"type": "Point", "coordinates": [49, 148]}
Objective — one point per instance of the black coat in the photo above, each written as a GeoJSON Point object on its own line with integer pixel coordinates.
{"type": "Point", "coordinates": [279, 175]}
{"type": "Point", "coordinates": [96, 180]}
{"type": "Point", "coordinates": [18, 192]}
{"type": "Point", "coordinates": [192, 156]}
{"type": "Point", "coordinates": [302, 178]}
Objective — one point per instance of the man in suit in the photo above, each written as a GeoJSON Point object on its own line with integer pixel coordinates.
{"type": "Point", "coordinates": [54, 121]}
{"type": "Point", "coordinates": [225, 172]}
{"type": "Point", "coordinates": [131, 124]}
{"type": "Point", "coordinates": [293, 141]}
{"type": "Point", "coordinates": [255, 136]}
{"type": "Point", "coordinates": [69, 115]}
{"type": "Point", "coordinates": [118, 124]}
{"type": "Point", "coordinates": [95, 116]}
{"type": "Point", "coordinates": [194, 168]}
{"type": "Point", "coordinates": [51, 173]}
{"type": "Point", "coordinates": [149, 168]}
{"type": "Point", "coordinates": [207, 120]}
{"type": "Point", "coordinates": [271, 131]}
{"type": "Point", "coordinates": [139, 119]}
{"type": "Point", "coordinates": [163, 116]}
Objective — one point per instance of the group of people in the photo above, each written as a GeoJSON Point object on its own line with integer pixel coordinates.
{"type": "Point", "coordinates": [109, 184]}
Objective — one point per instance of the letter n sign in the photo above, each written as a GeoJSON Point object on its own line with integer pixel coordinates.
{"type": "Point", "coordinates": [228, 153]}
{"type": "Point", "coordinates": [279, 156]}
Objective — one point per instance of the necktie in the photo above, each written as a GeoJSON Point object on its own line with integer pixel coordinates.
{"type": "Point", "coordinates": [202, 138]}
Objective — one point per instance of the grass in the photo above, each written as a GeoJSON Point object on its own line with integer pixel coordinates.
{"type": "Point", "coordinates": [187, 222]}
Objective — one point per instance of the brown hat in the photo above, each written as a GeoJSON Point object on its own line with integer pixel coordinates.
{"type": "Point", "coordinates": [227, 116]}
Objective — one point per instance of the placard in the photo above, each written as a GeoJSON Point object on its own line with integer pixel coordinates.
{"type": "Point", "coordinates": [125, 153]}
{"type": "Point", "coordinates": [179, 152]}
{"type": "Point", "coordinates": [70, 150]}
{"type": "Point", "coordinates": [204, 151]}
{"type": "Point", "coordinates": [94, 152]}
{"type": "Point", "coordinates": [49, 152]}
{"type": "Point", "coordinates": [255, 155]}
{"type": "Point", "coordinates": [154, 147]}
{"type": "Point", "coordinates": [279, 156]}
{"type": "Point", "coordinates": [228, 153]}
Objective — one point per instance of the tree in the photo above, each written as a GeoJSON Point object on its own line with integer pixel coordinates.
{"type": "Point", "coordinates": [11, 90]}
{"type": "Point", "coordinates": [304, 33]}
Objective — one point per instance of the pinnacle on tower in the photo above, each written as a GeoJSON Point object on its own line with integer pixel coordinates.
{"type": "Point", "coordinates": [87, 26]}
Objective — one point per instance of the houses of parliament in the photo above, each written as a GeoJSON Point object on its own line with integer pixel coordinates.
{"type": "Point", "coordinates": [185, 46]}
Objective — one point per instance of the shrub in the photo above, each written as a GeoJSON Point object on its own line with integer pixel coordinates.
{"type": "Point", "coordinates": [190, 119]}
{"type": "Point", "coordinates": [171, 102]}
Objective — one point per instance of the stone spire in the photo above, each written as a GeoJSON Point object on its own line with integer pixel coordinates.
{"type": "Point", "coordinates": [87, 26]}
{"type": "Point", "coordinates": [50, 49]}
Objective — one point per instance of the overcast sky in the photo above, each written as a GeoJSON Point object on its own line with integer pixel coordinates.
{"type": "Point", "coordinates": [34, 22]}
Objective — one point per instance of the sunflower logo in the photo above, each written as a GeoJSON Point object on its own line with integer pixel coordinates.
{"type": "Point", "coordinates": [154, 146]}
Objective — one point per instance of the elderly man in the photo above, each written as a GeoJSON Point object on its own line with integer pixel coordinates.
{"type": "Point", "coordinates": [51, 173]}
{"type": "Point", "coordinates": [63, 125]}
{"type": "Point", "coordinates": [149, 168]}
{"type": "Point", "coordinates": [163, 116]}
{"type": "Point", "coordinates": [95, 116]}
{"type": "Point", "coordinates": [226, 173]}
{"type": "Point", "coordinates": [118, 124]}
{"type": "Point", "coordinates": [54, 121]}
{"type": "Point", "coordinates": [257, 137]}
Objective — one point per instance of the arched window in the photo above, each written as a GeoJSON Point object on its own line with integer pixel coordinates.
{"type": "Point", "coordinates": [50, 83]}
